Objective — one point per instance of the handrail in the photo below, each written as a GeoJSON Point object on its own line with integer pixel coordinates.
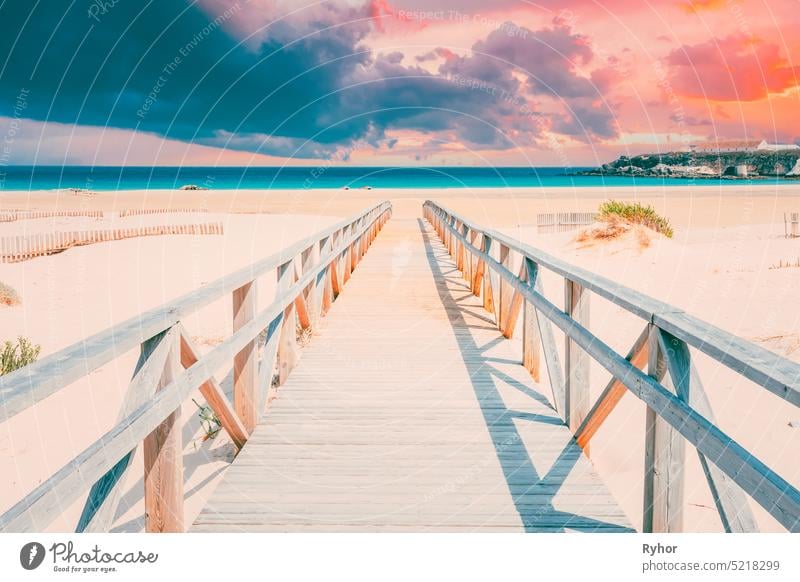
{"type": "Point", "coordinates": [311, 273]}
{"type": "Point", "coordinates": [664, 346]}
{"type": "Point", "coordinates": [27, 386]}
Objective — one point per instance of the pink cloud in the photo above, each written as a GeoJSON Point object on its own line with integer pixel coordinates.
{"type": "Point", "coordinates": [735, 68]}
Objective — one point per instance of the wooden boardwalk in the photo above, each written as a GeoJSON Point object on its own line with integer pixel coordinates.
{"type": "Point", "coordinates": [410, 412]}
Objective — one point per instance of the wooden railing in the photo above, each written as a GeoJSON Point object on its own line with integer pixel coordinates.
{"type": "Point", "coordinates": [310, 274]}
{"type": "Point", "coordinates": [676, 402]}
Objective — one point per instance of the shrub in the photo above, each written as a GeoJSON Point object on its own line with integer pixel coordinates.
{"type": "Point", "coordinates": [8, 296]}
{"type": "Point", "coordinates": [16, 355]}
{"type": "Point", "coordinates": [635, 213]}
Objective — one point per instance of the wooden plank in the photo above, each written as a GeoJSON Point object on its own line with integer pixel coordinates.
{"type": "Point", "coordinates": [488, 294]}
{"type": "Point", "coordinates": [245, 363]}
{"type": "Point", "coordinates": [612, 393]}
{"type": "Point", "coordinates": [31, 384]}
{"type": "Point", "coordinates": [769, 489]}
{"type": "Point", "coordinates": [101, 505]}
{"type": "Point", "coordinates": [663, 459]}
{"type": "Point", "coordinates": [311, 296]}
{"type": "Point", "coordinates": [504, 289]}
{"type": "Point", "coordinates": [514, 305]}
{"type": "Point", "coordinates": [767, 369]}
{"type": "Point", "coordinates": [163, 462]}
{"type": "Point", "coordinates": [287, 342]}
{"type": "Point", "coordinates": [729, 498]}
{"type": "Point", "coordinates": [214, 395]}
{"type": "Point", "coordinates": [531, 354]}
{"type": "Point", "coordinates": [331, 453]}
{"type": "Point", "coordinates": [576, 361]}
{"type": "Point", "coordinates": [36, 510]}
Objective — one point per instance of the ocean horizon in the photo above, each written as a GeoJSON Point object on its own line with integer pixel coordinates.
{"type": "Point", "coordinates": [110, 178]}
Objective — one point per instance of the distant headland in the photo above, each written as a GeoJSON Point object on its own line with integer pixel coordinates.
{"type": "Point", "coordinates": [733, 159]}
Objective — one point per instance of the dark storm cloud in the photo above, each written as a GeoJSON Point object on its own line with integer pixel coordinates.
{"type": "Point", "coordinates": [304, 86]}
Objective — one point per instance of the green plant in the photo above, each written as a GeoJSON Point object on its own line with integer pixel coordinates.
{"type": "Point", "coordinates": [635, 213]}
{"type": "Point", "coordinates": [208, 420]}
{"type": "Point", "coordinates": [8, 296]}
{"type": "Point", "coordinates": [16, 355]}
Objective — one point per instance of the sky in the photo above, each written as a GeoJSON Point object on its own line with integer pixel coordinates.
{"type": "Point", "coordinates": [391, 82]}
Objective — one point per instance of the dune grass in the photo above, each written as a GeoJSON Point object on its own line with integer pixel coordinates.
{"type": "Point", "coordinates": [8, 296]}
{"type": "Point", "coordinates": [16, 355]}
{"type": "Point", "coordinates": [635, 213]}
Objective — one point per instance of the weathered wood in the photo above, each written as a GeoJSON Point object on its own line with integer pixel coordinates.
{"type": "Point", "coordinates": [36, 510]}
{"type": "Point", "coordinates": [101, 505]}
{"type": "Point", "coordinates": [663, 459]}
{"type": "Point", "coordinates": [514, 305]}
{"type": "Point", "coordinates": [331, 453]}
{"type": "Point", "coordinates": [31, 384]}
{"type": "Point", "coordinates": [612, 393]}
{"type": "Point", "coordinates": [488, 294]}
{"type": "Point", "coordinates": [245, 363]}
{"type": "Point", "coordinates": [504, 290]}
{"type": "Point", "coordinates": [729, 498]}
{"type": "Point", "coordinates": [767, 488]}
{"type": "Point", "coordinates": [767, 369]}
{"type": "Point", "coordinates": [576, 361]}
{"type": "Point", "coordinates": [477, 281]}
{"type": "Point", "coordinates": [287, 342]}
{"type": "Point", "coordinates": [311, 295]}
{"type": "Point", "coordinates": [531, 338]}
{"type": "Point", "coordinates": [163, 461]}
{"type": "Point", "coordinates": [214, 395]}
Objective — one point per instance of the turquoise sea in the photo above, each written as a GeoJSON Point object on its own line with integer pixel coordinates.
{"type": "Point", "coordinates": [259, 177]}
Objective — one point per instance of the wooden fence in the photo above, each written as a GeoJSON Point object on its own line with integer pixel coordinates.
{"type": "Point", "coordinates": [13, 215]}
{"type": "Point", "coordinates": [677, 405]}
{"type": "Point", "coordinates": [145, 211]}
{"type": "Point", "coordinates": [791, 224]}
{"type": "Point", "coordinates": [551, 222]}
{"type": "Point", "coordinates": [310, 274]}
{"type": "Point", "coordinates": [21, 248]}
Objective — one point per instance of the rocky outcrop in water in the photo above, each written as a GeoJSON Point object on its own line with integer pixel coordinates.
{"type": "Point", "coordinates": [705, 165]}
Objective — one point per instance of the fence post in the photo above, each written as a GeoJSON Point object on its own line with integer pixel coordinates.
{"type": "Point", "coordinates": [287, 344]}
{"type": "Point", "coordinates": [576, 361]}
{"type": "Point", "coordinates": [488, 298]}
{"type": "Point", "coordinates": [664, 453]}
{"type": "Point", "coordinates": [245, 363]}
{"type": "Point", "coordinates": [531, 338]}
{"type": "Point", "coordinates": [163, 460]}
{"type": "Point", "coordinates": [505, 290]}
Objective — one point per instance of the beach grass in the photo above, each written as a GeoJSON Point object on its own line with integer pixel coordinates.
{"type": "Point", "coordinates": [635, 213]}
{"type": "Point", "coordinates": [14, 356]}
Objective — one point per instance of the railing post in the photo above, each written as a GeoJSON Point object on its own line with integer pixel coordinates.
{"type": "Point", "coordinates": [309, 259]}
{"type": "Point", "coordinates": [576, 361]}
{"type": "Point", "coordinates": [531, 338]}
{"type": "Point", "coordinates": [488, 298]}
{"type": "Point", "coordinates": [287, 343]}
{"type": "Point", "coordinates": [163, 460]}
{"type": "Point", "coordinates": [664, 454]}
{"type": "Point", "coordinates": [471, 262]}
{"type": "Point", "coordinates": [245, 363]}
{"type": "Point", "coordinates": [505, 290]}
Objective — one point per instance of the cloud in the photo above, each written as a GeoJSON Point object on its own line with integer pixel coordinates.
{"type": "Point", "coordinates": [692, 6]}
{"type": "Point", "coordinates": [735, 68]}
{"type": "Point", "coordinates": [283, 79]}
{"type": "Point", "coordinates": [548, 60]}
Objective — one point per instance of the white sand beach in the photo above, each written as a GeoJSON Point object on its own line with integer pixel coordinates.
{"type": "Point", "coordinates": [718, 266]}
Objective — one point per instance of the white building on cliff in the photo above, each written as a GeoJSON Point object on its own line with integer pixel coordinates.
{"type": "Point", "coordinates": [740, 145]}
